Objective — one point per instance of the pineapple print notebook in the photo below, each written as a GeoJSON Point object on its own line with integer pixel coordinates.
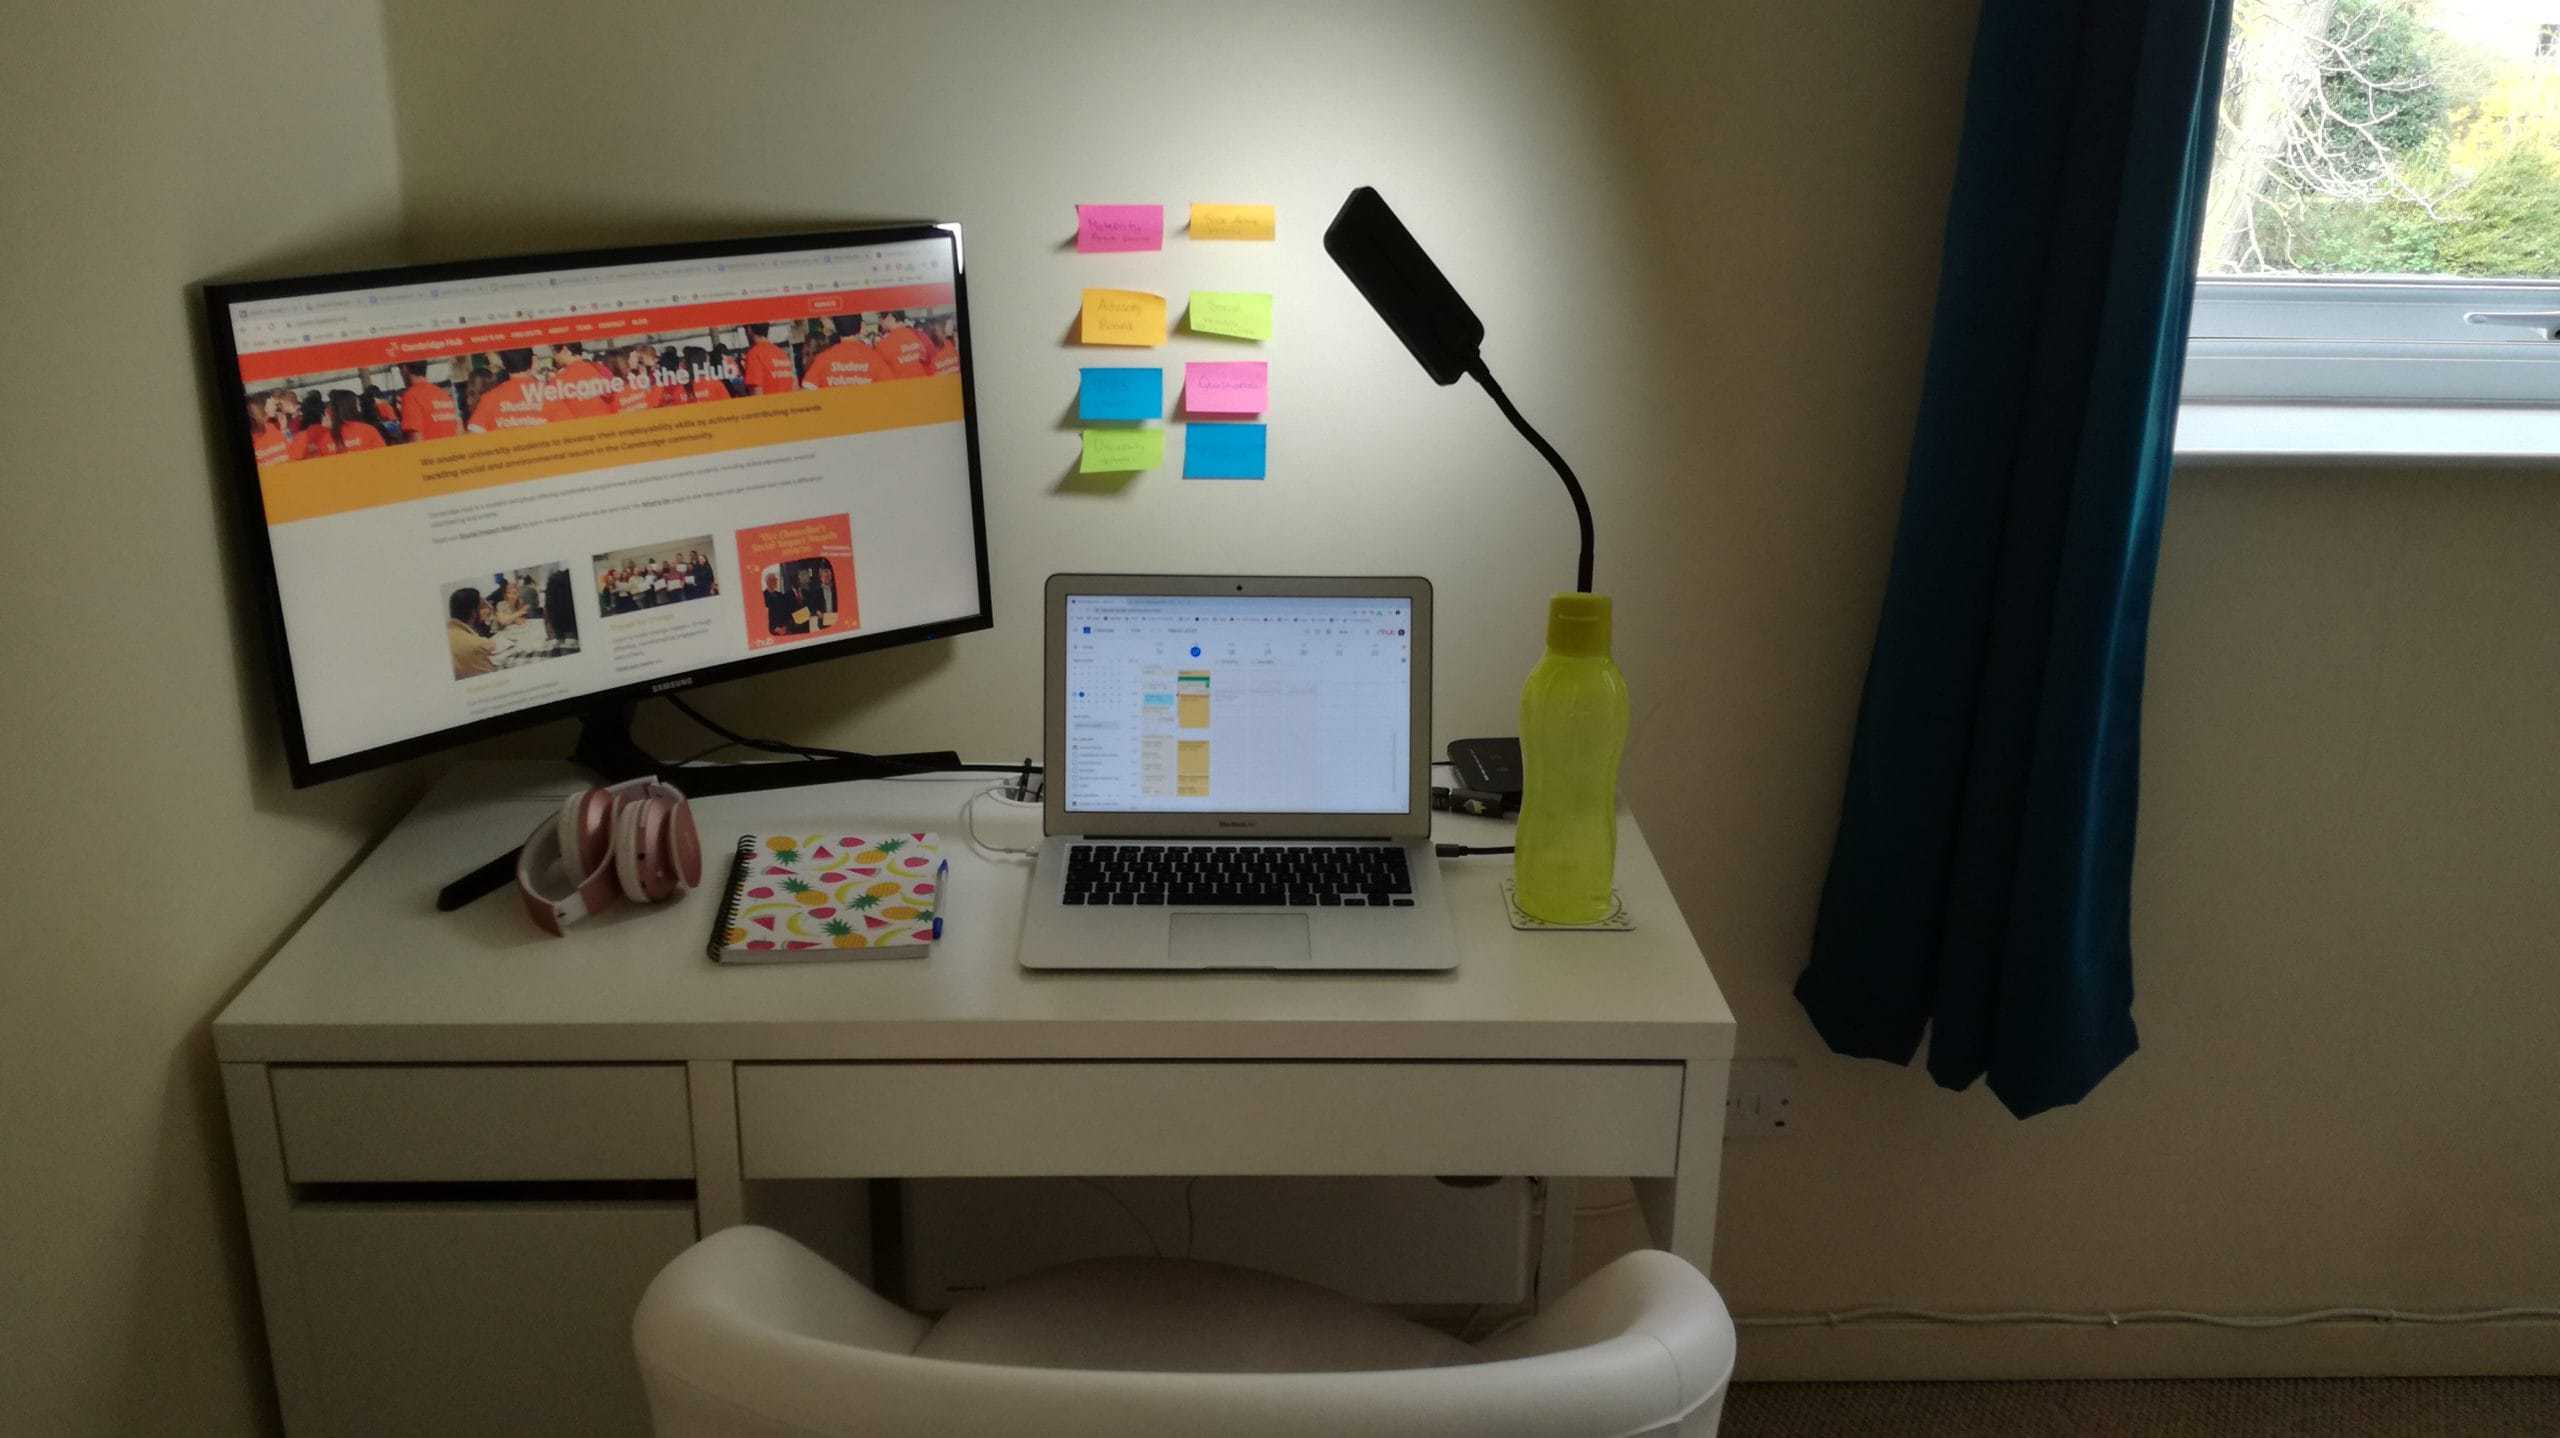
{"type": "Point", "coordinates": [830, 896]}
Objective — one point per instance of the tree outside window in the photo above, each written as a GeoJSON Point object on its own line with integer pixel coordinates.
{"type": "Point", "coordinates": [2389, 137]}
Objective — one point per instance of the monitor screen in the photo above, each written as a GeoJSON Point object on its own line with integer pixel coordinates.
{"type": "Point", "coordinates": [1246, 704]}
{"type": "Point", "coordinates": [491, 493]}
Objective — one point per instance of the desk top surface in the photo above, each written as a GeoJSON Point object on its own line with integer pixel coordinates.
{"type": "Point", "coordinates": [377, 975]}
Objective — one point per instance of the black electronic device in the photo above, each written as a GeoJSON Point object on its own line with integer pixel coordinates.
{"type": "Point", "coordinates": [475, 496]}
{"type": "Point", "coordinates": [1488, 766]}
{"type": "Point", "coordinates": [1386, 264]}
{"type": "Point", "coordinates": [1401, 283]}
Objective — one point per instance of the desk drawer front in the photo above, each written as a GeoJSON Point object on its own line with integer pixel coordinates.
{"type": "Point", "coordinates": [1028, 1119]}
{"type": "Point", "coordinates": [460, 1123]}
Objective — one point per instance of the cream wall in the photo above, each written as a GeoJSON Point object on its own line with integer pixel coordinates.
{"type": "Point", "coordinates": [1703, 240]}
{"type": "Point", "coordinates": [153, 852]}
{"type": "Point", "coordinates": [1488, 125]}
{"type": "Point", "coordinates": [2345, 905]}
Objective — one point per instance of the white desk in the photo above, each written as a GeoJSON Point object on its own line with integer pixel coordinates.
{"type": "Point", "coordinates": [465, 1147]}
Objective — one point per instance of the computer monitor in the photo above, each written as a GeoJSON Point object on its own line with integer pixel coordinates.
{"type": "Point", "coordinates": [486, 494]}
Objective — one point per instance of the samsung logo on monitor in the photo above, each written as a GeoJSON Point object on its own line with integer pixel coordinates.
{"type": "Point", "coordinates": [663, 685]}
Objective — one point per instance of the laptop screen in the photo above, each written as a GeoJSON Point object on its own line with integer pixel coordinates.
{"type": "Point", "coordinates": [1242, 704]}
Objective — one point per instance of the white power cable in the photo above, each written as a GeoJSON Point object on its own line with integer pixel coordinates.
{"type": "Point", "coordinates": [969, 828]}
{"type": "Point", "coordinates": [1849, 1317]}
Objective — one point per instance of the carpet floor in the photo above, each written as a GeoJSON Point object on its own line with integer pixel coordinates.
{"type": "Point", "coordinates": [2150, 1408]}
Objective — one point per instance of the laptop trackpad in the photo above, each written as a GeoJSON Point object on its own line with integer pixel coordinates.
{"type": "Point", "coordinates": [1239, 941]}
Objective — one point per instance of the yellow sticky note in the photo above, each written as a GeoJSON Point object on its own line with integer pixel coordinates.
{"type": "Point", "coordinates": [1118, 451]}
{"type": "Point", "coordinates": [1122, 317]}
{"type": "Point", "coordinates": [1234, 222]}
{"type": "Point", "coordinates": [1244, 315]}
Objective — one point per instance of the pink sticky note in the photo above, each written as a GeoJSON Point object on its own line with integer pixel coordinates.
{"type": "Point", "coordinates": [1227, 387]}
{"type": "Point", "coordinates": [1116, 229]}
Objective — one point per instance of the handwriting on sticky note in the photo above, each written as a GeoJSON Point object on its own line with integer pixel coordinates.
{"type": "Point", "coordinates": [1121, 394]}
{"type": "Point", "coordinates": [1227, 387]}
{"type": "Point", "coordinates": [1122, 317]}
{"type": "Point", "coordinates": [1234, 222]}
{"type": "Point", "coordinates": [1231, 312]}
{"type": "Point", "coordinates": [1223, 451]}
{"type": "Point", "coordinates": [1119, 451]}
{"type": "Point", "coordinates": [1118, 229]}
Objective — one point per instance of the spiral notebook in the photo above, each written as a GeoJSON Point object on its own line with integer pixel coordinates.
{"type": "Point", "coordinates": [796, 897]}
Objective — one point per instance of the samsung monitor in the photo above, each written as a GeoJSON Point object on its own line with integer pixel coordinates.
{"type": "Point", "coordinates": [481, 495]}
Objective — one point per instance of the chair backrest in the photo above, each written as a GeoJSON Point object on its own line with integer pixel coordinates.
{"type": "Point", "coordinates": [749, 1335]}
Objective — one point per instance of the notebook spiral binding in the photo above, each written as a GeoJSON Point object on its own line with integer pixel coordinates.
{"type": "Point", "coordinates": [729, 904]}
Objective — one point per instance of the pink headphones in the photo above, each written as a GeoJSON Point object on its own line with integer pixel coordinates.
{"type": "Point", "coordinates": [634, 840]}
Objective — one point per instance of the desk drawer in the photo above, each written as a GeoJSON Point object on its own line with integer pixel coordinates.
{"type": "Point", "coordinates": [971, 1120]}
{"type": "Point", "coordinates": [458, 1123]}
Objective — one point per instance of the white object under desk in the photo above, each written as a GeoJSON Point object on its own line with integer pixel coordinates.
{"type": "Point", "coordinates": [462, 1142]}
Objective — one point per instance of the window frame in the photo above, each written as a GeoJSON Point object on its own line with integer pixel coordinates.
{"type": "Point", "coordinates": [2370, 340]}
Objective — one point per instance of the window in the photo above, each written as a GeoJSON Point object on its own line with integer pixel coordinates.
{"type": "Point", "coordinates": [2384, 220]}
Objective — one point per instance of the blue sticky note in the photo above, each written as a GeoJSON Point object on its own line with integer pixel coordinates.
{"type": "Point", "coordinates": [1114, 393]}
{"type": "Point", "coordinates": [1223, 451]}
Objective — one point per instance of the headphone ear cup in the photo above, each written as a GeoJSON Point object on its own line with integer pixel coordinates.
{"type": "Point", "coordinates": [684, 845]}
{"type": "Point", "coordinates": [586, 833]}
{"type": "Point", "coordinates": [626, 850]}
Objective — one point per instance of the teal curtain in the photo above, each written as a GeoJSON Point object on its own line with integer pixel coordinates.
{"type": "Point", "coordinates": [1979, 884]}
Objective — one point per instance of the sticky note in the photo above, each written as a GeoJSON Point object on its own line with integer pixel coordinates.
{"type": "Point", "coordinates": [1221, 312]}
{"type": "Point", "coordinates": [1233, 222]}
{"type": "Point", "coordinates": [1223, 451]}
{"type": "Point", "coordinates": [1118, 451]}
{"type": "Point", "coordinates": [1117, 229]}
{"type": "Point", "coordinates": [1227, 387]}
{"type": "Point", "coordinates": [1123, 317]}
{"type": "Point", "coordinates": [1121, 394]}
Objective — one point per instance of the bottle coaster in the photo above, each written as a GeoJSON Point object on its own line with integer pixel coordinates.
{"type": "Point", "coordinates": [1617, 922]}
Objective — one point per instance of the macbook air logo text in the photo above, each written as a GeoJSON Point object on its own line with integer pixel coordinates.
{"type": "Point", "coordinates": [1235, 823]}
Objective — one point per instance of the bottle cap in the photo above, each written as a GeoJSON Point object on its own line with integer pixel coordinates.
{"type": "Point", "coordinates": [1578, 625]}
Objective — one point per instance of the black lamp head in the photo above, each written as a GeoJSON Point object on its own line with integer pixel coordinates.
{"type": "Point", "coordinates": [1408, 291]}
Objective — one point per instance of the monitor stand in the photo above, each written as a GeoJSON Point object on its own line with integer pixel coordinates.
{"type": "Point", "coordinates": [605, 747]}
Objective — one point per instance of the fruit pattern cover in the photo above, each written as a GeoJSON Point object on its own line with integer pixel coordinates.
{"type": "Point", "coordinates": [811, 895]}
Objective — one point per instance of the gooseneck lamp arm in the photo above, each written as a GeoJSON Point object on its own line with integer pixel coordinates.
{"type": "Point", "coordinates": [1564, 471]}
{"type": "Point", "coordinates": [1387, 265]}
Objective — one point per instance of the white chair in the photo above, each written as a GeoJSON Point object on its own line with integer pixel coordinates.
{"type": "Point", "coordinates": [750, 1335]}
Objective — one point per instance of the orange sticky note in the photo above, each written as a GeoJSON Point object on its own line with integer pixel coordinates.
{"type": "Point", "coordinates": [1234, 222]}
{"type": "Point", "coordinates": [1122, 317]}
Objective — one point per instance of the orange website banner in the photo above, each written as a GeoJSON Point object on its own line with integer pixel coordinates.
{"type": "Point", "coordinates": [372, 478]}
{"type": "Point", "coordinates": [382, 350]}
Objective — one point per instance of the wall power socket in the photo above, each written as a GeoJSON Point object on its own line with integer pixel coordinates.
{"type": "Point", "coordinates": [1759, 1098]}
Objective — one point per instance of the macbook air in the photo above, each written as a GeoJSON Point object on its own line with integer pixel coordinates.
{"type": "Point", "coordinates": [1238, 776]}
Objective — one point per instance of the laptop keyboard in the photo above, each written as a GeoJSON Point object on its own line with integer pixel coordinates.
{"type": "Point", "coordinates": [1297, 876]}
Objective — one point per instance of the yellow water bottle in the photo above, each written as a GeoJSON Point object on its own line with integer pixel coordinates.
{"type": "Point", "coordinates": [1573, 728]}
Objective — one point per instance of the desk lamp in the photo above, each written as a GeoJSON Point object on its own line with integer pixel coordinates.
{"type": "Point", "coordinates": [1573, 710]}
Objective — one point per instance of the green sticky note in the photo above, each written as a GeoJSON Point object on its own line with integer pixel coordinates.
{"type": "Point", "coordinates": [1231, 312]}
{"type": "Point", "coordinates": [1119, 451]}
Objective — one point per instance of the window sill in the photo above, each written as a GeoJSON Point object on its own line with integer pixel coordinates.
{"type": "Point", "coordinates": [2223, 432]}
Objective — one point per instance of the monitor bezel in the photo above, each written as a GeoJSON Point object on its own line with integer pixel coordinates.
{"type": "Point", "coordinates": [258, 548]}
{"type": "Point", "coordinates": [1414, 822]}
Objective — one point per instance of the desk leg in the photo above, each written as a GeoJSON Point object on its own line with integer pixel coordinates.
{"type": "Point", "coordinates": [268, 1198]}
{"type": "Point", "coordinates": [1681, 1210]}
{"type": "Point", "coordinates": [719, 1189]}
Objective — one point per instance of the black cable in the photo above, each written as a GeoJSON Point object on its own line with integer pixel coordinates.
{"type": "Point", "coordinates": [1538, 442]}
{"type": "Point", "coordinates": [1460, 851]}
{"type": "Point", "coordinates": [769, 746]}
{"type": "Point", "coordinates": [810, 751]}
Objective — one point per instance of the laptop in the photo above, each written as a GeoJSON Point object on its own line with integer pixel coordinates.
{"type": "Point", "coordinates": [1238, 776]}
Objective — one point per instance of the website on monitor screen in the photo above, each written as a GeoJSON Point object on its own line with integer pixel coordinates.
{"type": "Point", "coordinates": [486, 495]}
